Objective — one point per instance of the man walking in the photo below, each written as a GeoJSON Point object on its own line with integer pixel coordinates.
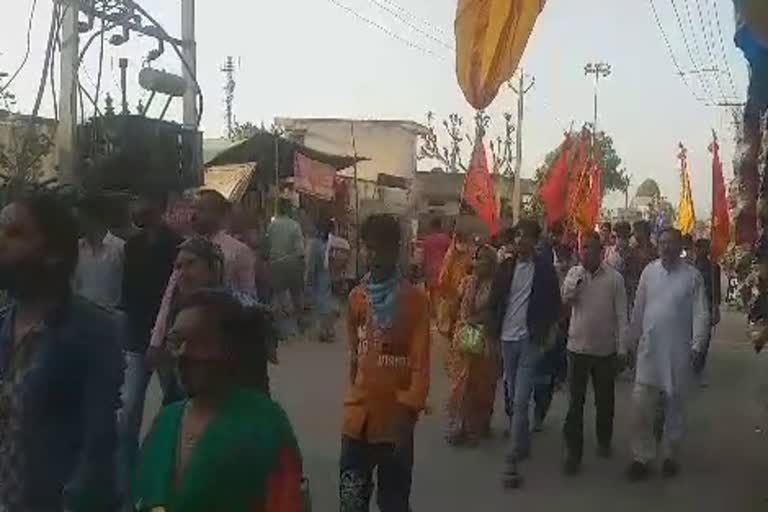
{"type": "Point", "coordinates": [99, 272]}
{"type": "Point", "coordinates": [524, 308]}
{"type": "Point", "coordinates": [149, 260]}
{"type": "Point", "coordinates": [388, 326]}
{"type": "Point", "coordinates": [711, 274]}
{"type": "Point", "coordinates": [596, 295]}
{"type": "Point", "coordinates": [671, 322]}
{"type": "Point", "coordinates": [286, 260]}
{"type": "Point", "coordinates": [60, 369]}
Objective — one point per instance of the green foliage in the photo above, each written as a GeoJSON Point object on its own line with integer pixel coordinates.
{"type": "Point", "coordinates": [21, 159]}
{"type": "Point", "coordinates": [244, 131]}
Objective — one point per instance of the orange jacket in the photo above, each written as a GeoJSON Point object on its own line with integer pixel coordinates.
{"type": "Point", "coordinates": [389, 368]}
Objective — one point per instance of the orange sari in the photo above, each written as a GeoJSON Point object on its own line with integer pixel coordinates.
{"type": "Point", "coordinates": [456, 265]}
{"type": "Point", "coordinates": [455, 268]}
{"type": "Point", "coordinates": [473, 377]}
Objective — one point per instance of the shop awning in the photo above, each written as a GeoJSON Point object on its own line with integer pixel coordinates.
{"type": "Point", "coordinates": [231, 181]}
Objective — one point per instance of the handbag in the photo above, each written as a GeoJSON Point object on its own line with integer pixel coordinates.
{"type": "Point", "coordinates": [469, 339]}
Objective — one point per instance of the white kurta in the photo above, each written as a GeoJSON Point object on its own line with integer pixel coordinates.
{"type": "Point", "coordinates": [670, 319]}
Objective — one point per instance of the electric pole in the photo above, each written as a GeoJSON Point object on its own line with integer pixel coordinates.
{"type": "Point", "coordinates": [229, 94]}
{"type": "Point", "coordinates": [125, 15]}
{"type": "Point", "coordinates": [521, 90]}
{"type": "Point", "coordinates": [600, 70]}
{"type": "Point", "coordinates": [66, 131]}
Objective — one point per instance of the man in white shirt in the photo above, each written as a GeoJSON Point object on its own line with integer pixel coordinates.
{"type": "Point", "coordinates": [596, 295]}
{"type": "Point", "coordinates": [671, 323]}
{"type": "Point", "coordinates": [99, 273]}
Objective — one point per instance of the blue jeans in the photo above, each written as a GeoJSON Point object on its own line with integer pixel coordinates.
{"type": "Point", "coordinates": [131, 415]}
{"type": "Point", "coordinates": [520, 359]}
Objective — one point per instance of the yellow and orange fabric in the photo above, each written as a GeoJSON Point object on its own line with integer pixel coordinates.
{"type": "Point", "coordinates": [491, 36]}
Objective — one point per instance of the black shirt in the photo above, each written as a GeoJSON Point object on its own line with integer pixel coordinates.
{"type": "Point", "coordinates": [148, 266]}
{"type": "Point", "coordinates": [711, 274]}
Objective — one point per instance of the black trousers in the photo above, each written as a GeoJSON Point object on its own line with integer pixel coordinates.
{"type": "Point", "coordinates": [393, 469]}
{"type": "Point", "coordinates": [603, 372]}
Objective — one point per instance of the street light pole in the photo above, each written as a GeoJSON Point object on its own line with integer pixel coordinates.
{"type": "Point", "coordinates": [600, 70]}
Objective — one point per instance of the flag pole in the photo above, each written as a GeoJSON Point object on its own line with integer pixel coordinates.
{"type": "Point", "coordinates": [357, 200]}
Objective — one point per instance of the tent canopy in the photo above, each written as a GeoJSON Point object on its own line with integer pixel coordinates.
{"type": "Point", "coordinates": [261, 150]}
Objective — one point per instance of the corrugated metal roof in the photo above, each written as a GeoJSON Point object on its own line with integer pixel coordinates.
{"type": "Point", "coordinates": [231, 181]}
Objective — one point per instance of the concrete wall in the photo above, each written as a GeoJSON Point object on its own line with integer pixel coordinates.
{"type": "Point", "coordinates": [389, 146]}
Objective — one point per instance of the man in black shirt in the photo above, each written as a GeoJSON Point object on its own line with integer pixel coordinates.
{"type": "Point", "coordinates": [149, 260]}
{"type": "Point", "coordinates": [711, 273]}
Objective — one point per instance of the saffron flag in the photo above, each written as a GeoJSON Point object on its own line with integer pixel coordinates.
{"type": "Point", "coordinates": [721, 223]}
{"type": "Point", "coordinates": [491, 36]}
{"type": "Point", "coordinates": [553, 189]}
{"type": "Point", "coordinates": [686, 216]}
{"type": "Point", "coordinates": [586, 206]}
{"type": "Point", "coordinates": [478, 188]}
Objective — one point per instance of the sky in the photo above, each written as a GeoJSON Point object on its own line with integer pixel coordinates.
{"type": "Point", "coordinates": [393, 59]}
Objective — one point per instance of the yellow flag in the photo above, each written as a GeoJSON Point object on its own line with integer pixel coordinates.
{"type": "Point", "coordinates": [491, 36]}
{"type": "Point", "coordinates": [686, 216]}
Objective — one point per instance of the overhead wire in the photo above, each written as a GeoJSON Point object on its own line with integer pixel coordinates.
{"type": "Point", "coordinates": [723, 51]}
{"type": "Point", "coordinates": [708, 38]}
{"type": "Point", "coordinates": [402, 18]}
{"type": "Point", "coordinates": [696, 68]}
{"type": "Point", "coordinates": [416, 19]}
{"type": "Point", "coordinates": [671, 52]}
{"type": "Point", "coordinates": [385, 30]}
{"type": "Point", "coordinates": [24, 60]}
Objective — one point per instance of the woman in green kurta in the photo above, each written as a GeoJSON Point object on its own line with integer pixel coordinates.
{"type": "Point", "coordinates": [229, 448]}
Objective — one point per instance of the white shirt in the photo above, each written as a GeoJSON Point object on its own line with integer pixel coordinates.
{"type": "Point", "coordinates": [99, 272]}
{"type": "Point", "coordinates": [671, 318]}
{"type": "Point", "coordinates": [598, 310]}
{"type": "Point", "coordinates": [515, 326]}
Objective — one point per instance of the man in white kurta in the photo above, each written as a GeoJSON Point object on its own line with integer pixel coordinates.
{"type": "Point", "coordinates": [669, 329]}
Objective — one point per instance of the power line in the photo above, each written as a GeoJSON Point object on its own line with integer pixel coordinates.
{"type": "Point", "coordinates": [672, 56]}
{"type": "Point", "coordinates": [722, 47]}
{"type": "Point", "coordinates": [387, 31]}
{"type": "Point", "coordinates": [686, 42]}
{"type": "Point", "coordinates": [708, 43]}
{"type": "Point", "coordinates": [403, 18]}
{"type": "Point", "coordinates": [416, 19]}
{"type": "Point", "coordinates": [26, 52]}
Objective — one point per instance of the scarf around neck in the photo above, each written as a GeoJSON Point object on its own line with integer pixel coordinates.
{"type": "Point", "coordinates": [382, 298]}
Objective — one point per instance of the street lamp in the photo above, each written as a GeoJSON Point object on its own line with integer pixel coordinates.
{"type": "Point", "coordinates": [600, 70]}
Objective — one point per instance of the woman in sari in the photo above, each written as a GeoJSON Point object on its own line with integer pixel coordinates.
{"type": "Point", "coordinates": [228, 447]}
{"type": "Point", "coordinates": [475, 372]}
{"type": "Point", "coordinates": [198, 265]}
{"type": "Point", "coordinates": [456, 266]}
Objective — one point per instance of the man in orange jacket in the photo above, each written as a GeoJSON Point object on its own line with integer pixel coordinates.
{"type": "Point", "coordinates": [388, 322]}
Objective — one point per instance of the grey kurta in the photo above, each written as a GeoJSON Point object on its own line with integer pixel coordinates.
{"type": "Point", "coordinates": [670, 318]}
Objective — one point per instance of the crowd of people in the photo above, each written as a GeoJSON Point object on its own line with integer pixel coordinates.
{"type": "Point", "coordinates": [91, 317]}
{"type": "Point", "coordinates": [539, 312]}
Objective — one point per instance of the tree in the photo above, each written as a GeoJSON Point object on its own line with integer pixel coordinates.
{"type": "Point", "coordinates": [243, 131]}
{"type": "Point", "coordinates": [614, 178]}
{"type": "Point", "coordinates": [456, 154]}
{"type": "Point", "coordinates": [7, 98]}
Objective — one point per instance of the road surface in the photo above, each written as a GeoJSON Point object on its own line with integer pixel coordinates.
{"type": "Point", "coordinates": [725, 460]}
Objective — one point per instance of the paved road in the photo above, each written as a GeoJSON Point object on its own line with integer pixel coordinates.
{"type": "Point", "coordinates": [725, 464]}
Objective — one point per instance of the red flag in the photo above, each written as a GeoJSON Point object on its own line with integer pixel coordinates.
{"type": "Point", "coordinates": [721, 223]}
{"type": "Point", "coordinates": [554, 187]}
{"type": "Point", "coordinates": [478, 188]}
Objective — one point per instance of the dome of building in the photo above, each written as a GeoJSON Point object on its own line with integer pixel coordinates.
{"type": "Point", "coordinates": [648, 188]}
